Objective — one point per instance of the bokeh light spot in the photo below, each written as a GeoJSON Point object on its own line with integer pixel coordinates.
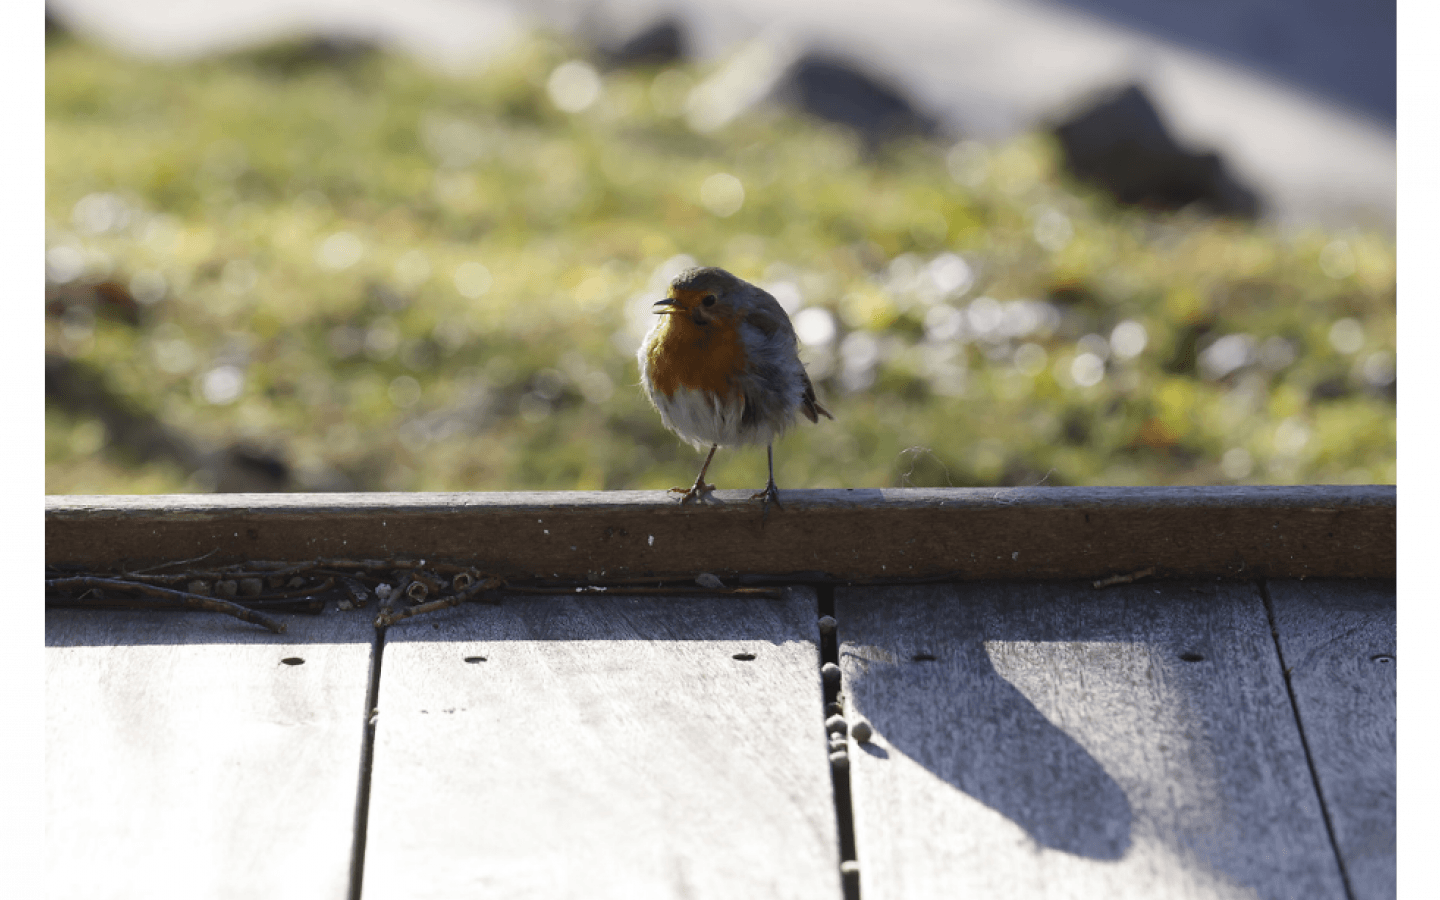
{"type": "Point", "coordinates": [222, 385]}
{"type": "Point", "coordinates": [339, 251]}
{"type": "Point", "coordinates": [815, 326]}
{"type": "Point", "coordinates": [1347, 335]}
{"type": "Point", "coordinates": [574, 86]}
{"type": "Point", "coordinates": [1087, 369]}
{"type": "Point", "coordinates": [472, 280]}
{"type": "Point", "coordinates": [722, 194]}
{"type": "Point", "coordinates": [1128, 339]}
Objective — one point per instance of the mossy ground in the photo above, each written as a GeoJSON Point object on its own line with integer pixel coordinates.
{"type": "Point", "coordinates": [401, 280]}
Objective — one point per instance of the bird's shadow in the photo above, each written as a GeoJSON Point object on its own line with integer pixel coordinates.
{"type": "Point", "coordinates": [908, 662]}
{"type": "Point", "coordinates": [1000, 750]}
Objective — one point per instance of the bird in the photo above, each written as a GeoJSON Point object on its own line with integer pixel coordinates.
{"type": "Point", "coordinates": [722, 366]}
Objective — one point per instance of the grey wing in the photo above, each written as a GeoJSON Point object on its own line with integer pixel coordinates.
{"type": "Point", "coordinates": [768, 316]}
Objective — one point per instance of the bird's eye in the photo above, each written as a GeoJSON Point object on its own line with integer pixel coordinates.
{"type": "Point", "coordinates": [709, 300]}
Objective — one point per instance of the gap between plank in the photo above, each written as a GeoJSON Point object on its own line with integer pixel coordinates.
{"type": "Point", "coordinates": [839, 777]}
{"type": "Point", "coordinates": [1304, 743]}
{"type": "Point", "coordinates": [367, 759]}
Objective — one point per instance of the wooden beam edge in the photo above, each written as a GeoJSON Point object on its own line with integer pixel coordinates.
{"type": "Point", "coordinates": [863, 534]}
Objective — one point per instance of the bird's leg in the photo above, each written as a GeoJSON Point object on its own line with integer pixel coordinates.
{"type": "Point", "coordinates": [771, 494]}
{"type": "Point", "coordinates": [699, 490]}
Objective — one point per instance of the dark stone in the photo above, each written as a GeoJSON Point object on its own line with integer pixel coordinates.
{"type": "Point", "coordinates": [54, 26]}
{"type": "Point", "coordinates": [298, 56]}
{"type": "Point", "coordinates": [248, 469]}
{"type": "Point", "coordinates": [1121, 144]}
{"type": "Point", "coordinates": [1331, 388]}
{"type": "Point", "coordinates": [837, 91]}
{"type": "Point", "coordinates": [661, 44]}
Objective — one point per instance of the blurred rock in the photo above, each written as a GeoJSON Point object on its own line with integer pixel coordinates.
{"type": "Point", "coordinates": [662, 43]}
{"type": "Point", "coordinates": [289, 58]}
{"type": "Point", "coordinates": [244, 467]}
{"type": "Point", "coordinates": [1121, 144]}
{"type": "Point", "coordinates": [1332, 388]}
{"type": "Point", "coordinates": [248, 469]}
{"type": "Point", "coordinates": [54, 25]}
{"type": "Point", "coordinates": [84, 390]}
{"type": "Point", "coordinates": [840, 91]}
{"type": "Point", "coordinates": [110, 299]}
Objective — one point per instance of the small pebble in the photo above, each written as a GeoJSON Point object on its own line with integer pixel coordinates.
{"type": "Point", "coordinates": [862, 731]}
{"type": "Point", "coordinates": [836, 725]}
{"type": "Point", "coordinates": [198, 587]}
{"type": "Point", "coordinates": [834, 709]}
{"type": "Point", "coordinates": [839, 759]}
{"type": "Point", "coordinates": [837, 742]}
{"type": "Point", "coordinates": [827, 624]}
{"type": "Point", "coordinates": [706, 580]}
{"type": "Point", "coordinates": [227, 588]}
{"type": "Point", "coordinates": [251, 587]}
{"type": "Point", "coordinates": [830, 673]}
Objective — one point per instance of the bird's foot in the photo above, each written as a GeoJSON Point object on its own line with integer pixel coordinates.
{"type": "Point", "coordinates": [771, 494]}
{"type": "Point", "coordinates": [699, 492]}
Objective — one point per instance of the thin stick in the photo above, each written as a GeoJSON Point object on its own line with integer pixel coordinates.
{"type": "Point", "coordinates": [623, 590]}
{"type": "Point", "coordinates": [359, 596]}
{"type": "Point", "coordinates": [387, 617]}
{"type": "Point", "coordinates": [194, 601]}
{"type": "Point", "coordinates": [1125, 579]}
{"type": "Point", "coordinates": [178, 562]}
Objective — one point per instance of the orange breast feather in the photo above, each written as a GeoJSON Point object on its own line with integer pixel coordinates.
{"type": "Point", "coordinates": [699, 357]}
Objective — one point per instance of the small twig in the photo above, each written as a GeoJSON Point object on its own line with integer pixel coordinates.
{"type": "Point", "coordinates": [623, 590]}
{"type": "Point", "coordinates": [262, 569]}
{"type": "Point", "coordinates": [178, 562]}
{"type": "Point", "coordinates": [388, 617]}
{"type": "Point", "coordinates": [194, 601]}
{"type": "Point", "coordinates": [320, 588]}
{"type": "Point", "coordinates": [1125, 579]}
{"type": "Point", "coordinates": [359, 596]}
{"type": "Point", "coordinates": [422, 585]}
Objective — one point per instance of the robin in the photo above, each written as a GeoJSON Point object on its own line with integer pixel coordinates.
{"type": "Point", "coordinates": [722, 367]}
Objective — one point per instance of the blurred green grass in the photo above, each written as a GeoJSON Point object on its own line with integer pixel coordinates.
{"type": "Point", "coordinates": [393, 279]}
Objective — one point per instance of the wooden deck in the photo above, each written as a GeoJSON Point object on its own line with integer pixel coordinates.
{"type": "Point", "coordinates": [1216, 720]}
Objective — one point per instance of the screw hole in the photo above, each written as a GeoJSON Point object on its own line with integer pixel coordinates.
{"type": "Point", "coordinates": [474, 659]}
{"type": "Point", "coordinates": [1382, 658]}
{"type": "Point", "coordinates": [1191, 656]}
{"type": "Point", "coordinates": [293, 661]}
{"type": "Point", "coordinates": [743, 657]}
{"type": "Point", "coordinates": [923, 657]}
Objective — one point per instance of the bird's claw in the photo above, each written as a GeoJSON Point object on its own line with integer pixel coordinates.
{"type": "Point", "coordinates": [700, 492]}
{"type": "Point", "coordinates": [771, 494]}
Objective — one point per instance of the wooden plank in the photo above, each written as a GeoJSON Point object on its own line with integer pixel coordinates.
{"type": "Point", "coordinates": [185, 759]}
{"type": "Point", "coordinates": [605, 747]}
{"type": "Point", "coordinates": [1337, 641]}
{"type": "Point", "coordinates": [960, 533]}
{"type": "Point", "coordinates": [1059, 744]}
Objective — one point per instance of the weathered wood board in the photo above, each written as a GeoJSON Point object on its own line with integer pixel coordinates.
{"type": "Point", "coordinates": [603, 746]}
{"type": "Point", "coordinates": [961, 534]}
{"type": "Point", "coordinates": [184, 758]}
{"type": "Point", "coordinates": [1337, 639]}
{"type": "Point", "coordinates": [1059, 744]}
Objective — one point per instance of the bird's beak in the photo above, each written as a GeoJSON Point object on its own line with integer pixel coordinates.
{"type": "Point", "coordinates": [668, 303]}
